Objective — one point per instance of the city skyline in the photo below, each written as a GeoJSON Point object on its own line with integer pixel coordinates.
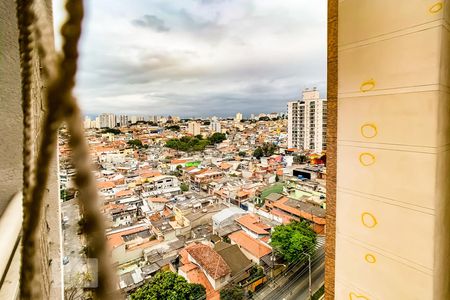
{"type": "Point", "coordinates": [198, 58]}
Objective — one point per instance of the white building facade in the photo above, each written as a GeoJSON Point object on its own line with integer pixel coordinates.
{"type": "Point", "coordinates": [194, 128]}
{"type": "Point", "coordinates": [307, 122]}
{"type": "Point", "coordinates": [107, 120]}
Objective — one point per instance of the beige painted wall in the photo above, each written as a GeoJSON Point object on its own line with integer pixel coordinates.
{"type": "Point", "coordinates": [11, 141]}
{"type": "Point", "coordinates": [392, 204]}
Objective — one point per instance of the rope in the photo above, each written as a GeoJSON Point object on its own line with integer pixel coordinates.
{"type": "Point", "coordinates": [25, 17]}
{"type": "Point", "coordinates": [61, 105]}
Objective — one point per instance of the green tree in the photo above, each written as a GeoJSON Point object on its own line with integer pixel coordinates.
{"type": "Point", "coordinates": [111, 130]}
{"type": "Point", "coordinates": [173, 127]}
{"type": "Point", "coordinates": [293, 239]}
{"type": "Point", "coordinates": [265, 150]}
{"type": "Point", "coordinates": [184, 187]}
{"type": "Point", "coordinates": [258, 153]}
{"type": "Point", "coordinates": [170, 286]}
{"type": "Point", "coordinates": [242, 153]}
{"type": "Point", "coordinates": [217, 138]}
{"type": "Point", "coordinates": [135, 143]}
{"type": "Point", "coordinates": [232, 293]}
{"type": "Point", "coordinates": [300, 159]}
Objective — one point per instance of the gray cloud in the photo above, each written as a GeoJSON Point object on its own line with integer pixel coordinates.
{"type": "Point", "coordinates": [152, 22]}
{"type": "Point", "coordinates": [216, 57]}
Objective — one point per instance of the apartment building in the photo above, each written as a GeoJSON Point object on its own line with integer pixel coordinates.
{"type": "Point", "coordinates": [107, 120]}
{"type": "Point", "coordinates": [194, 128]}
{"type": "Point", "coordinates": [123, 120]}
{"type": "Point", "coordinates": [307, 122]}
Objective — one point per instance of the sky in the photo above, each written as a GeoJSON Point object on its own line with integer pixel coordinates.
{"type": "Point", "coordinates": [198, 58]}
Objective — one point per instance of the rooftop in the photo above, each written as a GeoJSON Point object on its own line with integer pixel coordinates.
{"type": "Point", "coordinates": [209, 260]}
{"type": "Point", "coordinates": [251, 245]}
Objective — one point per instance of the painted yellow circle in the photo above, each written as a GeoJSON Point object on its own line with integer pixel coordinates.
{"type": "Point", "coordinates": [368, 220]}
{"type": "Point", "coordinates": [355, 296]}
{"type": "Point", "coordinates": [370, 258]}
{"type": "Point", "coordinates": [369, 130]}
{"type": "Point", "coordinates": [437, 7]}
{"type": "Point", "coordinates": [366, 159]}
{"type": "Point", "coordinates": [367, 85]}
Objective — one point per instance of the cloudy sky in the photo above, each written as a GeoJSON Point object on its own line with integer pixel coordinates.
{"type": "Point", "coordinates": [199, 57]}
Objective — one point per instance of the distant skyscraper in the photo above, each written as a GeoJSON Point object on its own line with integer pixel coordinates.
{"type": "Point", "coordinates": [107, 120]}
{"type": "Point", "coordinates": [97, 122]}
{"type": "Point", "coordinates": [307, 122]}
{"type": "Point", "coordinates": [215, 126]}
{"type": "Point", "coordinates": [87, 122]}
{"type": "Point", "coordinates": [123, 120]}
{"type": "Point", "coordinates": [238, 117]}
{"type": "Point", "coordinates": [134, 119]}
{"type": "Point", "coordinates": [194, 128]}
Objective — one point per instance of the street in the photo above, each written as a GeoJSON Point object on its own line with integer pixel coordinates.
{"type": "Point", "coordinates": [294, 283]}
{"type": "Point", "coordinates": [72, 242]}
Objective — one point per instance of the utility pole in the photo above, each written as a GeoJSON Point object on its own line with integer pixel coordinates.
{"type": "Point", "coordinates": [309, 267]}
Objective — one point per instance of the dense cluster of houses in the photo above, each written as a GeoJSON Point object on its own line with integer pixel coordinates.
{"type": "Point", "coordinates": [208, 215]}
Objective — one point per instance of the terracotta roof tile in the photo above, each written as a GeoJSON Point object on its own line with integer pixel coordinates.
{"type": "Point", "coordinates": [251, 245]}
{"type": "Point", "coordinates": [209, 260]}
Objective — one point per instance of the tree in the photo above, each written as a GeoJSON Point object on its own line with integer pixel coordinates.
{"type": "Point", "coordinates": [242, 153]}
{"type": "Point", "coordinates": [265, 150]}
{"type": "Point", "coordinates": [232, 293]}
{"type": "Point", "coordinates": [217, 138]}
{"type": "Point", "coordinates": [173, 127]}
{"type": "Point", "coordinates": [184, 187]}
{"type": "Point", "coordinates": [258, 153]}
{"type": "Point", "coordinates": [135, 143]}
{"type": "Point", "coordinates": [111, 130]}
{"type": "Point", "coordinates": [300, 159]}
{"type": "Point", "coordinates": [170, 286]}
{"type": "Point", "coordinates": [293, 239]}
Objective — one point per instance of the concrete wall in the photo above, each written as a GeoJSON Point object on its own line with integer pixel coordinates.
{"type": "Point", "coordinates": [392, 217]}
{"type": "Point", "coordinates": [10, 106]}
{"type": "Point", "coordinates": [11, 141]}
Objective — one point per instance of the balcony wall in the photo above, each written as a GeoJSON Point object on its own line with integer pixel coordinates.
{"type": "Point", "coordinates": [11, 144]}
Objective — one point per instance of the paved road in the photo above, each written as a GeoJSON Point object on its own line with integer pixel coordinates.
{"type": "Point", "coordinates": [301, 290]}
{"type": "Point", "coordinates": [72, 242]}
{"type": "Point", "coordinates": [296, 287]}
{"type": "Point", "coordinates": [294, 278]}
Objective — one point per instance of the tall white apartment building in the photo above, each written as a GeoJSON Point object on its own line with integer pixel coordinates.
{"type": "Point", "coordinates": [238, 117]}
{"type": "Point", "coordinates": [107, 120]}
{"type": "Point", "coordinates": [307, 122]}
{"type": "Point", "coordinates": [215, 126]}
{"type": "Point", "coordinates": [123, 120]}
{"type": "Point", "coordinates": [194, 128]}
{"type": "Point", "coordinates": [87, 122]}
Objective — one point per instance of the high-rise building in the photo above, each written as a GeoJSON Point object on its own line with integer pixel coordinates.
{"type": "Point", "coordinates": [238, 117]}
{"type": "Point", "coordinates": [194, 128]}
{"type": "Point", "coordinates": [123, 120]}
{"type": "Point", "coordinates": [97, 122]}
{"type": "Point", "coordinates": [107, 120]}
{"type": "Point", "coordinates": [87, 122]}
{"type": "Point", "coordinates": [215, 126]}
{"type": "Point", "coordinates": [307, 122]}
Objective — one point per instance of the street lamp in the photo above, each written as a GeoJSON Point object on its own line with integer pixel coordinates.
{"type": "Point", "coordinates": [309, 274]}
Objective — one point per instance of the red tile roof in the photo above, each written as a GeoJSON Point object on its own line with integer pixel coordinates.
{"type": "Point", "coordinates": [105, 184]}
{"type": "Point", "coordinates": [195, 275]}
{"type": "Point", "coordinates": [280, 204]}
{"type": "Point", "coordinates": [209, 260]}
{"type": "Point", "coordinates": [251, 245]}
{"type": "Point", "coordinates": [253, 223]}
